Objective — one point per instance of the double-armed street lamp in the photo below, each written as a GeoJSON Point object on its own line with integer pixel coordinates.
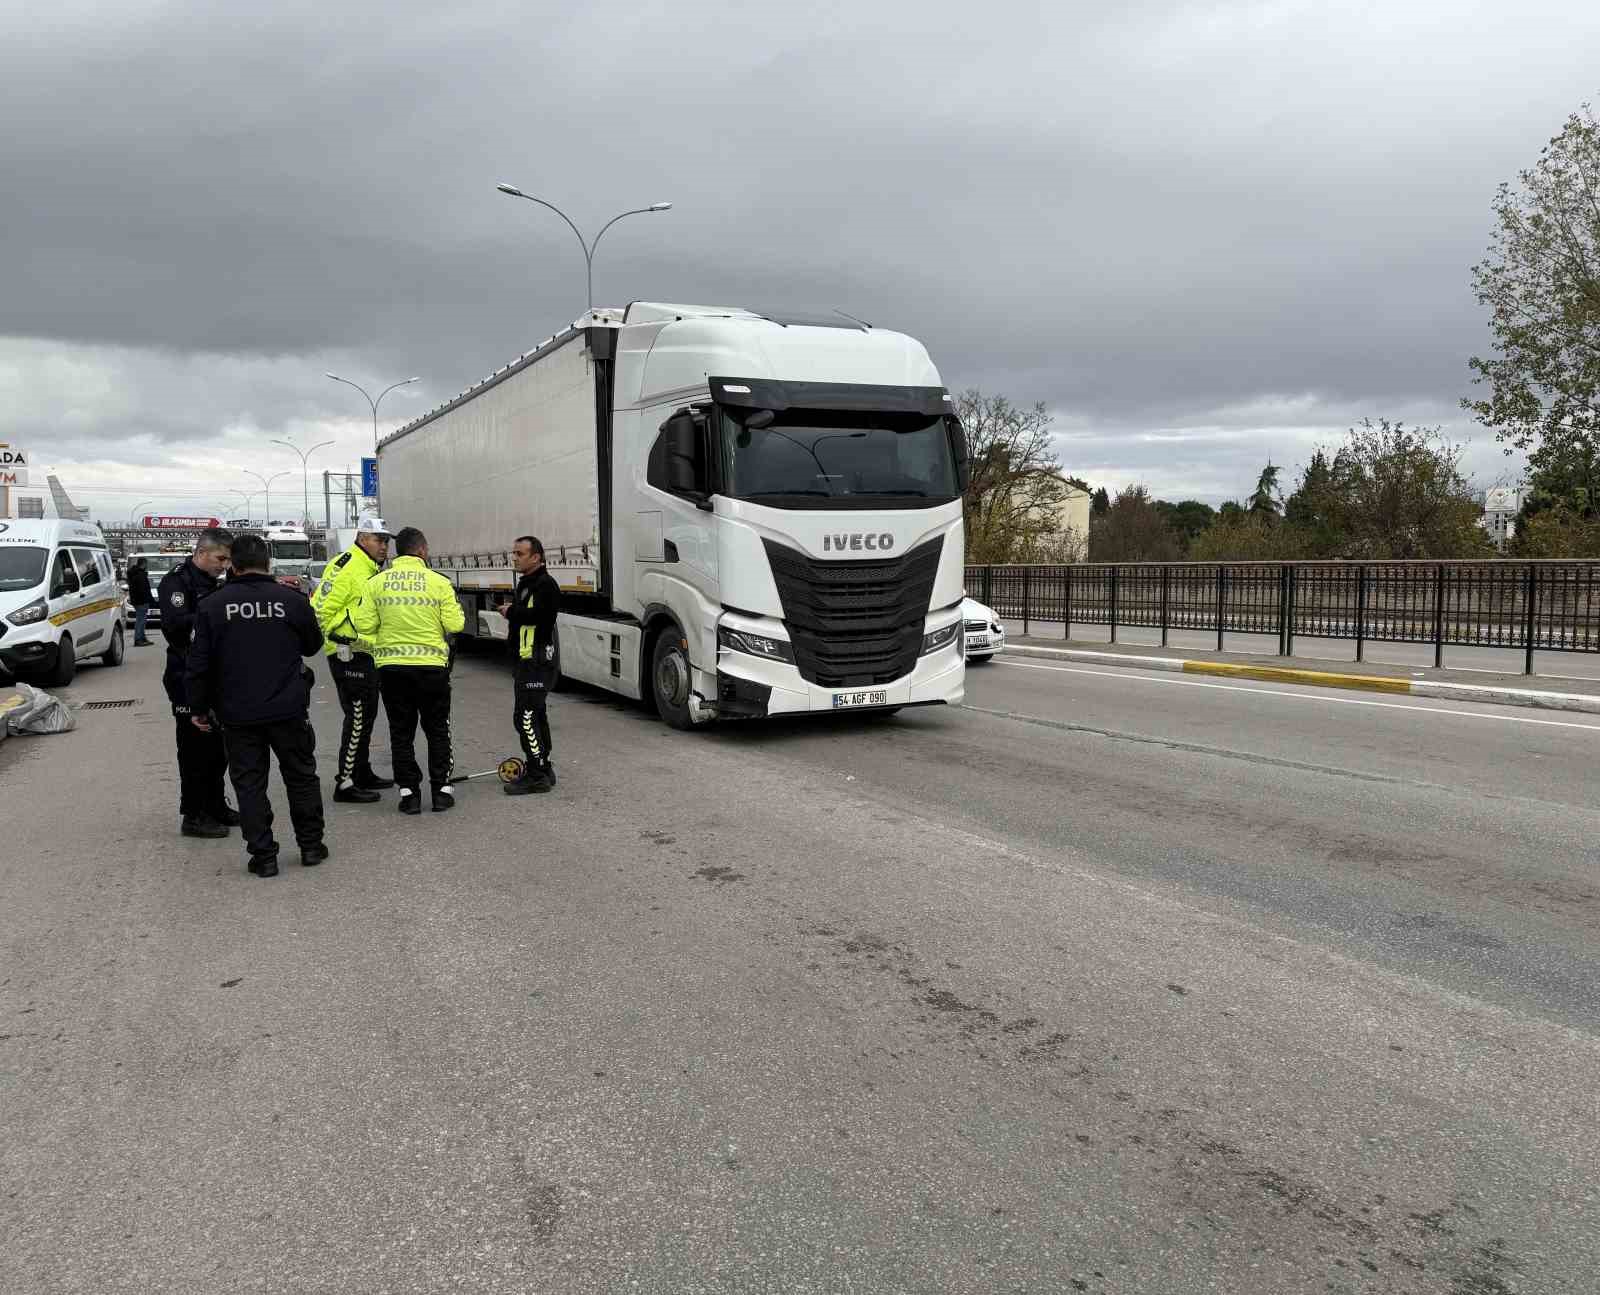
{"type": "Point", "coordinates": [305, 480]}
{"type": "Point", "coordinates": [136, 508]}
{"type": "Point", "coordinates": [266, 485]}
{"type": "Point", "coordinates": [374, 403]}
{"type": "Point", "coordinates": [511, 190]}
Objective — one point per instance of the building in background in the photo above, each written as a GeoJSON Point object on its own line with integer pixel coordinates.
{"type": "Point", "coordinates": [1501, 504]}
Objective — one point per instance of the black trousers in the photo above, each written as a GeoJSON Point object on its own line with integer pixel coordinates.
{"type": "Point", "coordinates": [412, 693]}
{"type": "Point", "coordinates": [202, 766]}
{"type": "Point", "coordinates": [533, 684]}
{"type": "Point", "coordinates": [295, 745]}
{"type": "Point", "coordinates": [356, 682]}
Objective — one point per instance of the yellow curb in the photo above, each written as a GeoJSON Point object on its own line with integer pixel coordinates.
{"type": "Point", "coordinates": [1314, 678]}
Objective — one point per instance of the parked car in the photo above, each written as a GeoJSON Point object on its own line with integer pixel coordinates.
{"type": "Point", "coordinates": [981, 630]}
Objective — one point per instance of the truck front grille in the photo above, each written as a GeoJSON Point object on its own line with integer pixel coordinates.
{"type": "Point", "coordinates": [854, 624]}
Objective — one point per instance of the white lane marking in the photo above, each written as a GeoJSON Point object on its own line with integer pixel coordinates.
{"type": "Point", "coordinates": [1300, 696]}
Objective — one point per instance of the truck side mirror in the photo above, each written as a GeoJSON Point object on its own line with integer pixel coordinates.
{"type": "Point", "coordinates": [685, 457]}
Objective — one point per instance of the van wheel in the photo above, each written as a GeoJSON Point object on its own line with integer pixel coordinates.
{"type": "Point", "coordinates": [670, 677]}
{"type": "Point", "coordinates": [66, 666]}
{"type": "Point", "coordinates": [113, 654]}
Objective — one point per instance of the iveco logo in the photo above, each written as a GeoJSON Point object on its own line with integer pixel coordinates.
{"type": "Point", "coordinates": [880, 543]}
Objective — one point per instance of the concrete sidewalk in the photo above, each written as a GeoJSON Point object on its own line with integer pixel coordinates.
{"type": "Point", "coordinates": [1452, 685]}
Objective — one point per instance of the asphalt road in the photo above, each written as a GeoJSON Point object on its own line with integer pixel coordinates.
{"type": "Point", "coordinates": [1105, 982]}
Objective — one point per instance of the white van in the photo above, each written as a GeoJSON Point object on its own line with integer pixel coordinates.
{"type": "Point", "coordinates": [59, 599]}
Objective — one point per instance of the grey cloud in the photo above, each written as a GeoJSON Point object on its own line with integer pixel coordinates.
{"type": "Point", "coordinates": [1151, 216]}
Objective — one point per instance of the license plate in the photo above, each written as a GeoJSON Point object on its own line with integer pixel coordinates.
{"type": "Point", "coordinates": [846, 700]}
{"type": "Point", "coordinates": [977, 640]}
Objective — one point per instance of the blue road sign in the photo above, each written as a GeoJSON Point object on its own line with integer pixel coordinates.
{"type": "Point", "coordinates": [369, 477]}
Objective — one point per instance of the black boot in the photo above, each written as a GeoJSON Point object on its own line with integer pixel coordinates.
{"type": "Point", "coordinates": [410, 801]}
{"type": "Point", "coordinates": [264, 865]}
{"type": "Point", "coordinates": [443, 798]}
{"type": "Point", "coordinates": [369, 780]}
{"type": "Point", "coordinates": [312, 855]}
{"type": "Point", "coordinates": [534, 780]}
{"type": "Point", "coordinates": [203, 825]}
{"type": "Point", "coordinates": [227, 815]}
{"type": "Point", "coordinates": [355, 794]}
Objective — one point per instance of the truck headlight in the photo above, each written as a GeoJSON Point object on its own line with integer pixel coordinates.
{"type": "Point", "coordinates": [31, 612]}
{"type": "Point", "coordinates": [941, 638]}
{"type": "Point", "coordinates": [755, 644]}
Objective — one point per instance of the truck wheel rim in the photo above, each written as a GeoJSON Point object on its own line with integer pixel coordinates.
{"type": "Point", "coordinates": [672, 679]}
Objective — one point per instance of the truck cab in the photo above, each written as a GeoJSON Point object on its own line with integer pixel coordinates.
{"type": "Point", "coordinates": [795, 488]}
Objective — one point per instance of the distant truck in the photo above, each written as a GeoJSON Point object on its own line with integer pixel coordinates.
{"type": "Point", "coordinates": [748, 514]}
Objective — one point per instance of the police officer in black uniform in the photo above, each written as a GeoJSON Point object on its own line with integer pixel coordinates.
{"type": "Point", "coordinates": [202, 760]}
{"type": "Point", "coordinates": [245, 670]}
{"type": "Point", "coordinates": [531, 615]}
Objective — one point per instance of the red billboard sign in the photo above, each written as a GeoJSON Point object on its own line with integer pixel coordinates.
{"type": "Point", "coordinates": [180, 523]}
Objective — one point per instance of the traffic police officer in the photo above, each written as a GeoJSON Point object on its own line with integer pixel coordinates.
{"type": "Point", "coordinates": [350, 659]}
{"type": "Point", "coordinates": [406, 612]}
{"type": "Point", "coordinates": [202, 760]}
{"type": "Point", "coordinates": [531, 615]}
{"type": "Point", "coordinates": [245, 671]}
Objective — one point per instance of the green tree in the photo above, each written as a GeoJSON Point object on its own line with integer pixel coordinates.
{"type": "Point", "coordinates": [1264, 499]}
{"type": "Point", "coordinates": [1099, 503]}
{"type": "Point", "coordinates": [1312, 511]}
{"type": "Point", "coordinates": [1186, 519]}
{"type": "Point", "coordinates": [1242, 536]}
{"type": "Point", "coordinates": [1556, 532]}
{"type": "Point", "coordinates": [1132, 529]}
{"type": "Point", "coordinates": [1013, 502]}
{"type": "Point", "coordinates": [1541, 283]}
{"type": "Point", "coordinates": [1399, 492]}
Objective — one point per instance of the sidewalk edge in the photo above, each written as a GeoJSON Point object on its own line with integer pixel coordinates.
{"type": "Point", "coordinates": [1478, 693]}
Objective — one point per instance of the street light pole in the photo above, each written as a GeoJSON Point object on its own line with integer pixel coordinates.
{"type": "Point", "coordinates": [266, 485]}
{"type": "Point", "coordinates": [136, 508]}
{"type": "Point", "coordinates": [511, 190]}
{"type": "Point", "coordinates": [305, 480]}
{"type": "Point", "coordinates": [374, 404]}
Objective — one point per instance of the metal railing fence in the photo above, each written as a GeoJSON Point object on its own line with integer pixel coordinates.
{"type": "Point", "coordinates": [1543, 606]}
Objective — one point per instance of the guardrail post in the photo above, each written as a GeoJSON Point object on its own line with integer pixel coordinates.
{"type": "Point", "coordinates": [1530, 597]}
{"type": "Point", "coordinates": [1114, 571]}
{"type": "Point", "coordinates": [1293, 574]}
{"type": "Point", "coordinates": [1361, 612]}
{"type": "Point", "coordinates": [1166, 588]}
{"type": "Point", "coordinates": [1222, 600]}
{"type": "Point", "coordinates": [1066, 628]}
{"type": "Point", "coordinates": [1438, 617]}
{"type": "Point", "coordinates": [1027, 624]}
{"type": "Point", "coordinates": [1283, 603]}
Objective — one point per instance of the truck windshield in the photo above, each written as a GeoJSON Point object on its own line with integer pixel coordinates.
{"type": "Point", "coordinates": [21, 567]}
{"type": "Point", "coordinates": [291, 549]}
{"type": "Point", "coordinates": [829, 459]}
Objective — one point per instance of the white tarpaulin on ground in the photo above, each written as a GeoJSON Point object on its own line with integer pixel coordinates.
{"type": "Point", "coordinates": [31, 710]}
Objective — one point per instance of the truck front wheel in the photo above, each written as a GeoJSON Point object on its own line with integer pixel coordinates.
{"type": "Point", "coordinates": [671, 678]}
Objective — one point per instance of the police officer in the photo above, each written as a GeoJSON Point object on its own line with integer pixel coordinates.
{"type": "Point", "coordinates": [407, 612]}
{"type": "Point", "coordinates": [531, 615]}
{"type": "Point", "coordinates": [202, 760]}
{"type": "Point", "coordinates": [245, 671]}
{"type": "Point", "coordinates": [350, 659]}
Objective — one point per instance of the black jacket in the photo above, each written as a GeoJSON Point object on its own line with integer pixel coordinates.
{"type": "Point", "coordinates": [139, 594]}
{"type": "Point", "coordinates": [534, 604]}
{"type": "Point", "coordinates": [244, 663]}
{"type": "Point", "coordinates": [182, 591]}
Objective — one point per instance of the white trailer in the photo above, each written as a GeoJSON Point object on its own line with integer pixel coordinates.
{"type": "Point", "coordinates": [748, 515]}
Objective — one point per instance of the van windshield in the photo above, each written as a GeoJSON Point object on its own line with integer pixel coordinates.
{"type": "Point", "coordinates": [21, 567]}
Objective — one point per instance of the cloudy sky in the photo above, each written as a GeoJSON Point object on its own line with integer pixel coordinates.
{"type": "Point", "coordinates": [1203, 234]}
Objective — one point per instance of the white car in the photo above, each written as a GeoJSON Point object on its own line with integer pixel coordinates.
{"type": "Point", "coordinates": [981, 630]}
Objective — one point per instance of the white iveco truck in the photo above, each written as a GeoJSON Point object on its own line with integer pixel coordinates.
{"type": "Point", "coordinates": [748, 515]}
